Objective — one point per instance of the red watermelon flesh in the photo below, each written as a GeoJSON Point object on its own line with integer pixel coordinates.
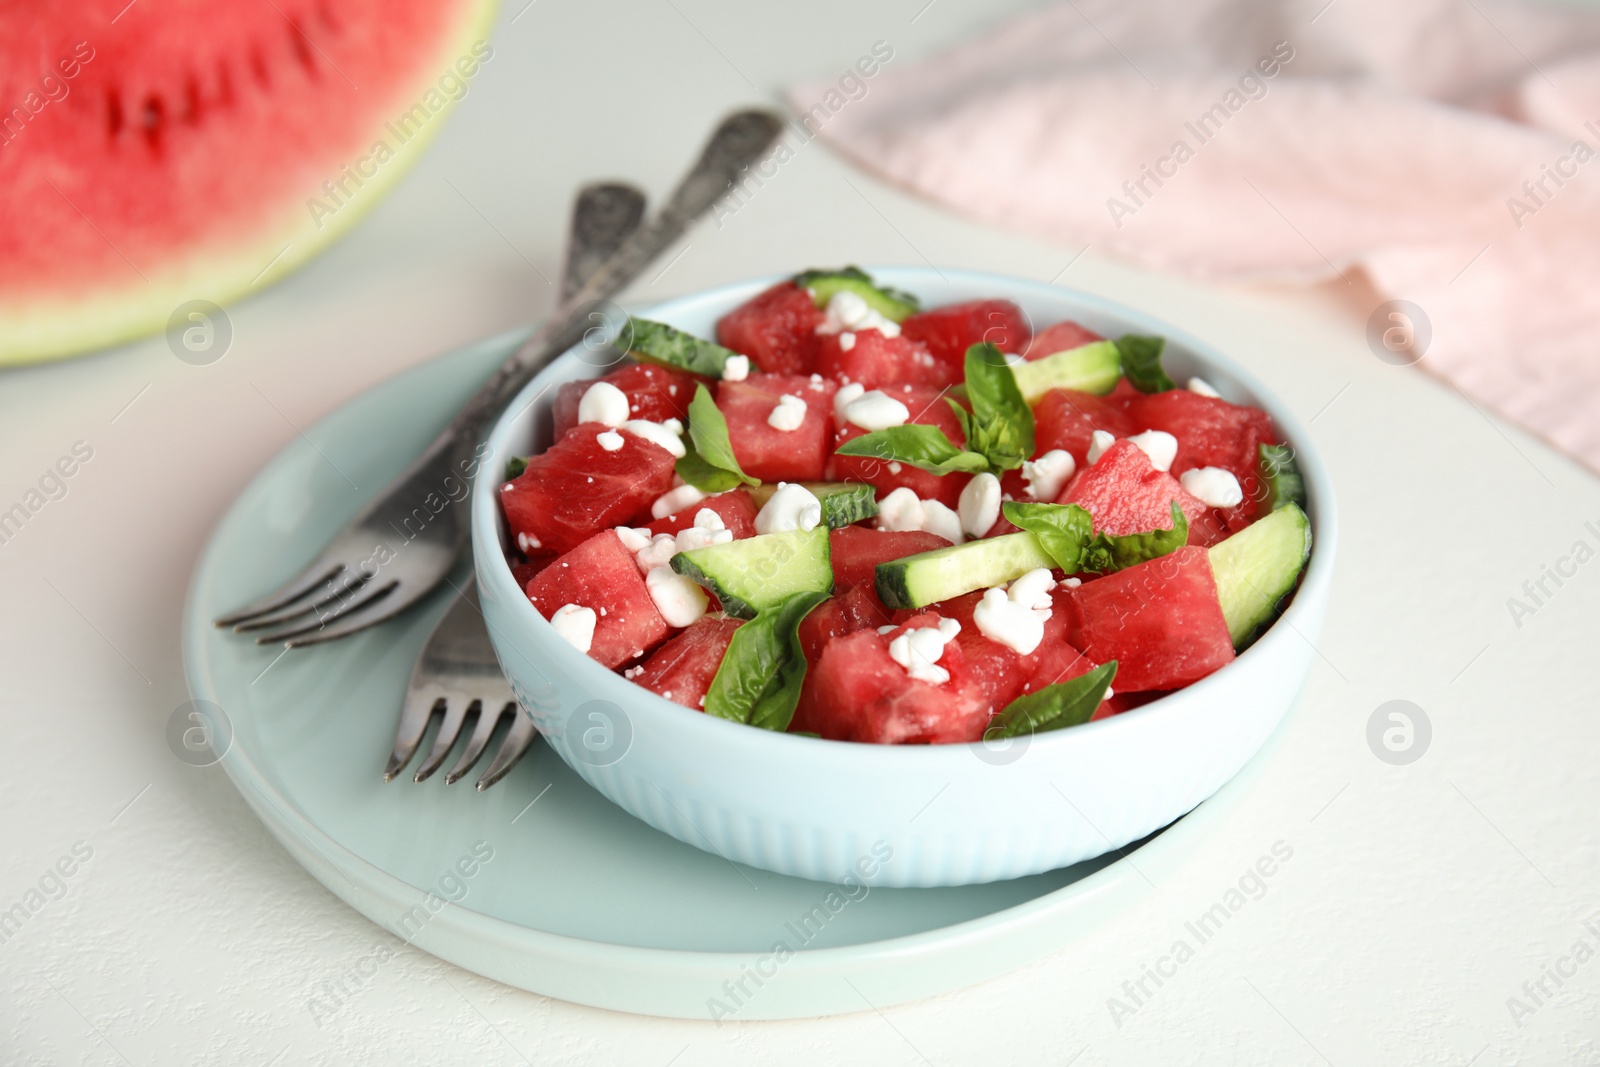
{"type": "Point", "coordinates": [773, 455]}
{"type": "Point", "coordinates": [1067, 419]}
{"type": "Point", "coordinates": [950, 330]}
{"type": "Point", "coordinates": [777, 329]}
{"type": "Point", "coordinates": [1159, 620]}
{"type": "Point", "coordinates": [681, 670]}
{"type": "Point", "coordinates": [1055, 660]}
{"type": "Point", "coordinates": [737, 509]}
{"type": "Point", "coordinates": [1059, 338]}
{"type": "Point", "coordinates": [1211, 433]}
{"type": "Point", "coordinates": [852, 609]}
{"type": "Point", "coordinates": [856, 550]}
{"type": "Point", "coordinates": [927, 407]}
{"type": "Point", "coordinates": [576, 488]}
{"type": "Point", "coordinates": [654, 393]}
{"type": "Point", "coordinates": [601, 574]}
{"type": "Point", "coordinates": [876, 361]}
{"type": "Point", "coordinates": [1125, 494]}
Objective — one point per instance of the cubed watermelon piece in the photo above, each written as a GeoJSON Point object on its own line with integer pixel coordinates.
{"type": "Point", "coordinates": [524, 572]}
{"type": "Point", "coordinates": [737, 509]}
{"type": "Point", "coordinates": [1067, 419]}
{"type": "Point", "coordinates": [950, 330]}
{"type": "Point", "coordinates": [681, 670]}
{"type": "Point", "coordinates": [877, 361]}
{"type": "Point", "coordinates": [1211, 433]}
{"type": "Point", "coordinates": [1059, 338]}
{"type": "Point", "coordinates": [601, 574]}
{"type": "Point", "coordinates": [858, 693]}
{"type": "Point", "coordinates": [576, 488]}
{"type": "Point", "coordinates": [856, 550]}
{"type": "Point", "coordinates": [1125, 494]}
{"type": "Point", "coordinates": [771, 454]}
{"type": "Point", "coordinates": [776, 329]}
{"type": "Point", "coordinates": [847, 611]}
{"type": "Point", "coordinates": [928, 407]}
{"type": "Point", "coordinates": [1159, 620]}
{"type": "Point", "coordinates": [654, 393]}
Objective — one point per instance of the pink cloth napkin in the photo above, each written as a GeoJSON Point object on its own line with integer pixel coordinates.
{"type": "Point", "coordinates": [1448, 149]}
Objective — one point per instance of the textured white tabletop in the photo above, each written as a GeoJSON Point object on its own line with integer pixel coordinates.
{"type": "Point", "coordinates": [1419, 898]}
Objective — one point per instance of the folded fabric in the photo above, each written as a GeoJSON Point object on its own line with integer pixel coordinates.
{"type": "Point", "coordinates": [1449, 149]}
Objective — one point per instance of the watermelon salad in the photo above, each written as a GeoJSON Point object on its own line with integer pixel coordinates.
{"type": "Point", "coordinates": [859, 519]}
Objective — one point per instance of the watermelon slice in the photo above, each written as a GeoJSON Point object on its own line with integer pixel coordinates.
{"type": "Point", "coordinates": [576, 488]}
{"type": "Point", "coordinates": [1161, 621]}
{"type": "Point", "coordinates": [737, 509]}
{"type": "Point", "coordinates": [654, 393]}
{"type": "Point", "coordinates": [1060, 338]}
{"type": "Point", "coordinates": [1125, 494]}
{"type": "Point", "coordinates": [949, 331]}
{"type": "Point", "coordinates": [868, 357]}
{"type": "Point", "coordinates": [1212, 433]}
{"type": "Point", "coordinates": [1067, 419]}
{"type": "Point", "coordinates": [777, 329]}
{"type": "Point", "coordinates": [601, 574]}
{"type": "Point", "coordinates": [928, 407]}
{"type": "Point", "coordinates": [681, 670]}
{"type": "Point", "coordinates": [856, 550]}
{"type": "Point", "coordinates": [768, 453]}
{"type": "Point", "coordinates": [855, 608]}
{"type": "Point", "coordinates": [157, 154]}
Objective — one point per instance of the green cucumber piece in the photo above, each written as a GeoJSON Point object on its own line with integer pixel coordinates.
{"type": "Point", "coordinates": [928, 577]}
{"type": "Point", "coordinates": [890, 303]}
{"type": "Point", "coordinates": [656, 342]}
{"type": "Point", "coordinates": [1257, 567]}
{"type": "Point", "coordinates": [843, 503]}
{"type": "Point", "coordinates": [754, 573]}
{"type": "Point", "coordinates": [1281, 476]}
{"type": "Point", "coordinates": [1090, 368]}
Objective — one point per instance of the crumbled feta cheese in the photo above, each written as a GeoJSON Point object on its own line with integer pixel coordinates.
{"type": "Point", "coordinates": [658, 553]}
{"type": "Point", "coordinates": [848, 311]}
{"type": "Point", "coordinates": [876, 410]}
{"type": "Point", "coordinates": [527, 542]}
{"type": "Point", "coordinates": [789, 414]}
{"type": "Point", "coordinates": [919, 651]}
{"type": "Point", "coordinates": [1033, 588]}
{"type": "Point", "coordinates": [633, 672]}
{"type": "Point", "coordinates": [675, 500]}
{"type": "Point", "coordinates": [1160, 446]}
{"type": "Point", "coordinates": [895, 467]}
{"type": "Point", "coordinates": [842, 398]}
{"type": "Point", "coordinates": [1015, 617]}
{"type": "Point", "coordinates": [847, 341]}
{"type": "Point", "coordinates": [664, 434]}
{"type": "Point", "coordinates": [633, 538]}
{"type": "Point", "coordinates": [679, 600]}
{"type": "Point", "coordinates": [900, 510]}
{"type": "Point", "coordinates": [888, 629]}
{"type": "Point", "coordinates": [1217, 487]}
{"type": "Point", "coordinates": [939, 519]}
{"type": "Point", "coordinates": [1047, 475]}
{"type": "Point", "coordinates": [610, 440]}
{"type": "Point", "coordinates": [979, 506]}
{"type": "Point", "coordinates": [792, 507]}
{"type": "Point", "coordinates": [736, 368]}
{"type": "Point", "coordinates": [703, 534]}
{"type": "Point", "coordinates": [1071, 583]}
{"type": "Point", "coordinates": [1099, 441]}
{"type": "Point", "coordinates": [604, 402]}
{"type": "Point", "coordinates": [1110, 692]}
{"type": "Point", "coordinates": [1204, 388]}
{"type": "Point", "coordinates": [575, 624]}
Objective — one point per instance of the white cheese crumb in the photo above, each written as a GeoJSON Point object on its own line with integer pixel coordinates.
{"type": "Point", "coordinates": [1203, 388]}
{"type": "Point", "coordinates": [894, 467]}
{"type": "Point", "coordinates": [1160, 446]}
{"type": "Point", "coordinates": [1110, 692]}
{"type": "Point", "coordinates": [675, 500]}
{"type": "Point", "coordinates": [876, 410]}
{"type": "Point", "coordinates": [847, 341]}
{"type": "Point", "coordinates": [604, 402]}
{"type": "Point", "coordinates": [610, 440]}
{"type": "Point", "coordinates": [679, 600]}
{"type": "Point", "coordinates": [919, 651]}
{"type": "Point", "coordinates": [527, 542]}
{"type": "Point", "coordinates": [792, 507]}
{"type": "Point", "coordinates": [1048, 475]}
{"type": "Point", "coordinates": [842, 398]}
{"type": "Point", "coordinates": [633, 672]}
{"type": "Point", "coordinates": [736, 368]}
{"type": "Point", "coordinates": [664, 434]}
{"type": "Point", "coordinates": [633, 538]}
{"type": "Point", "coordinates": [900, 510]}
{"type": "Point", "coordinates": [1099, 441]}
{"type": "Point", "coordinates": [575, 624]}
{"type": "Point", "coordinates": [979, 506]}
{"type": "Point", "coordinates": [1015, 617]}
{"type": "Point", "coordinates": [1012, 359]}
{"type": "Point", "coordinates": [1071, 583]}
{"type": "Point", "coordinates": [1217, 487]}
{"type": "Point", "coordinates": [848, 311]}
{"type": "Point", "coordinates": [889, 629]}
{"type": "Point", "coordinates": [939, 519]}
{"type": "Point", "coordinates": [789, 414]}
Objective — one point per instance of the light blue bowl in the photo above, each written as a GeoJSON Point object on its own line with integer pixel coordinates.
{"type": "Point", "coordinates": [930, 815]}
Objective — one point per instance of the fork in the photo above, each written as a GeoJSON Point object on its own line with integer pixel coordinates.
{"type": "Point", "coordinates": [456, 674]}
{"type": "Point", "coordinates": [400, 545]}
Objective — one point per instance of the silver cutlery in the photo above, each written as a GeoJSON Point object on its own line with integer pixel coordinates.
{"type": "Point", "coordinates": [400, 545]}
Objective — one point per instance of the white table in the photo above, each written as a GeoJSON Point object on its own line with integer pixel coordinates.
{"type": "Point", "coordinates": [1418, 899]}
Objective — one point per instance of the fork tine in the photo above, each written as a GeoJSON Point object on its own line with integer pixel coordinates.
{"type": "Point", "coordinates": [321, 623]}
{"type": "Point", "coordinates": [415, 714]}
{"type": "Point", "coordinates": [516, 742]}
{"type": "Point", "coordinates": [358, 618]}
{"type": "Point", "coordinates": [481, 733]}
{"type": "Point", "coordinates": [347, 582]}
{"type": "Point", "coordinates": [320, 570]}
{"type": "Point", "coordinates": [455, 713]}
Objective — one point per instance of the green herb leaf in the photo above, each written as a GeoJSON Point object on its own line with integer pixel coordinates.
{"type": "Point", "coordinates": [1064, 530]}
{"type": "Point", "coordinates": [1278, 471]}
{"type": "Point", "coordinates": [925, 447]}
{"type": "Point", "coordinates": [656, 342]}
{"type": "Point", "coordinates": [1001, 426]}
{"type": "Point", "coordinates": [517, 464]}
{"type": "Point", "coordinates": [759, 680]}
{"type": "Point", "coordinates": [709, 464]}
{"type": "Point", "coordinates": [1107, 553]}
{"type": "Point", "coordinates": [1141, 362]}
{"type": "Point", "coordinates": [1069, 703]}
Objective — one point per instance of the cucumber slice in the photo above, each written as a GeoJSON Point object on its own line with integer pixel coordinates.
{"type": "Point", "coordinates": [1090, 368]}
{"type": "Point", "coordinates": [843, 503]}
{"type": "Point", "coordinates": [1257, 567]}
{"type": "Point", "coordinates": [754, 573]}
{"type": "Point", "coordinates": [928, 577]}
{"type": "Point", "coordinates": [890, 303]}
{"type": "Point", "coordinates": [656, 342]}
{"type": "Point", "coordinates": [1281, 476]}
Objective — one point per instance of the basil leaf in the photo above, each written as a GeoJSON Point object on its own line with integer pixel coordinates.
{"type": "Point", "coordinates": [517, 464]}
{"type": "Point", "coordinates": [1001, 426]}
{"type": "Point", "coordinates": [925, 447]}
{"type": "Point", "coordinates": [1064, 530]}
{"type": "Point", "coordinates": [656, 342]}
{"type": "Point", "coordinates": [1107, 552]}
{"type": "Point", "coordinates": [759, 680]}
{"type": "Point", "coordinates": [708, 463]}
{"type": "Point", "coordinates": [1141, 362]}
{"type": "Point", "coordinates": [1069, 703]}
